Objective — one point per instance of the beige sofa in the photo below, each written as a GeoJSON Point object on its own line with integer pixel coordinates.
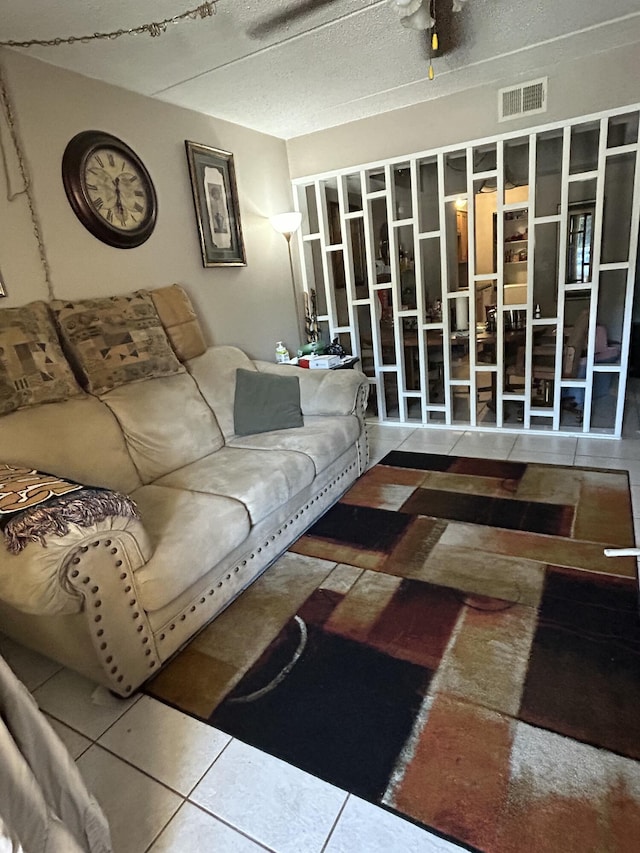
{"type": "Point", "coordinates": [115, 598]}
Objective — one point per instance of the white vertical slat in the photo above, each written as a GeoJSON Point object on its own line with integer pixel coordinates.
{"type": "Point", "coordinates": [396, 291]}
{"type": "Point", "coordinates": [562, 272]}
{"type": "Point", "coordinates": [500, 285]}
{"type": "Point", "coordinates": [327, 269]}
{"type": "Point", "coordinates": [628, 306]}
{"type": "Point", "coordinates": [395, 302]}
{"type": "Point", "coordinates": [444, 278]}
{"type": "Point", "coordinates": [300, 192]}
{"type": "Point", "coordinates": [417, 271]}
{"type": "Point", "coordinates": [471, 271]}
{"type": "Point", "coordinates": [369, 242]}
{"type": "Point", "coordinates": [471, 308]}
{"type": "Point", "coordinates": [347, 251]}
{"type": "Point", "coordinates": [531, 256]}
{"type": "Point", "coordinates": [595, 272]}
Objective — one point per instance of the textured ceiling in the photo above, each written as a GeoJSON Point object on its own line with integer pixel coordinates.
{"type": "Point", "coordinates": [289, 67]}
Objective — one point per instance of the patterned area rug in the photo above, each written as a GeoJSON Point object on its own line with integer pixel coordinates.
{"type": "Point", "coordinates": [449, 642]}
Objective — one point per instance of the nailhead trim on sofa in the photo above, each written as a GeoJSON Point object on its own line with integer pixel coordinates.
{"type": "Point", "coordinates": [202, 599]}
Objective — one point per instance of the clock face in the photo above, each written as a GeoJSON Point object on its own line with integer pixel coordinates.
{"type": "Point", "coordinates": [109, 189]}
{"type": "Point", "coordinates": [115, 188]}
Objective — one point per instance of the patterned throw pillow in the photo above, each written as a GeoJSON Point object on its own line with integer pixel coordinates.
{"type": "Point", "coordinates": [116, 340]}
{"type": "Point", "coordinates": [33, 368]}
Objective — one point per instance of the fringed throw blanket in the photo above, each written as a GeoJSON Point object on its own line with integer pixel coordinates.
{"type": "Point", "coordinates": [34, 505]}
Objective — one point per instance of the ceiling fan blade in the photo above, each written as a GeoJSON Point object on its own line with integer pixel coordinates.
{"type": "Point", "coordinates": [272, 23]}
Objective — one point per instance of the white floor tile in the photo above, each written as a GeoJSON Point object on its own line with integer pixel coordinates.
{"type": "Point", "coordinates": [486, 440]}
{"type": "Point", "coordinates": [272, 802]}
{"type": "Point", "coordinates": [430, 441]}
{"type": "Point", "coordinates": [379, 449]}
{"type": "Point", "coordinates": [477, 451]}
{"type": "Point", "coordinates": [365, 827]}
{"type": "Point", "coordinates": [137, 807]}
{"type": "Point", "coordinates": [441, 435]}
{"type": "Point", "coordinates": [635, 501]}
{"type": "Point", "coordinates": [546, 443]}
{"type": "Point", "coordinates": [623, 448]}
{"type": "Point", "coordinates": [75, 742]}
{"type": "Point", "coordinates": [30, 667]}
{"type": "Point", "coordinates": [384, 432]}
{"type": "Point", "coordinates": [629, 465]}
{"type": "Point", "coordinates": [195, 831]}
{"type": "Point", "coordinates": [168, 745]}
{"type": "Point", "coordinates": [543, 458]}
{"type": "Point", "coordinates": [67, 696]}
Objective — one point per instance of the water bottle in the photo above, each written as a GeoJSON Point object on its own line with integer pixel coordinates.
{"type": "Point", "coordinates": [282, 353]}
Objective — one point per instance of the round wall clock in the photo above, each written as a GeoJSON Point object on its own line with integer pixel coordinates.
{"type": "Point", "coordinates": [109, 189]}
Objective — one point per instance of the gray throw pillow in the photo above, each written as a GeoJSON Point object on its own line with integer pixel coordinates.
{"type": "Point", "coordinates": [265, 401]}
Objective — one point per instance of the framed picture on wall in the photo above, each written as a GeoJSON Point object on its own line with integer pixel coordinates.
{"type": "Point", "coordinates": [215, 197]}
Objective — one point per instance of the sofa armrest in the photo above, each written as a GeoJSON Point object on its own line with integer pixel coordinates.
{"type": "Point", "coordinates": [40, 578]}
{"type": "Point", "coordinates": [325, 392]}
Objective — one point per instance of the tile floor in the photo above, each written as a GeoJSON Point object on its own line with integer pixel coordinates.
{"type": "Point", "coordinates": [170, 784]}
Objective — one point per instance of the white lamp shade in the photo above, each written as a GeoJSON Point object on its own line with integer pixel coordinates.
{"type": "Point", "coordinates": [286, 223]}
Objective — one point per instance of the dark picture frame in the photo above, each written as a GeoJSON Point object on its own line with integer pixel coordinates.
{"type": "Point", "coordinates": [215, 198]}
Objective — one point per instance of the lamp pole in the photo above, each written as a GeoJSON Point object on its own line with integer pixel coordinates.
{"type": "Point", "coordinates": [287, 236]}
{"type": "Point", "coordinates": [287, 224]}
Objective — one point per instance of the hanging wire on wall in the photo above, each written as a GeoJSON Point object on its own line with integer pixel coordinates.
{"type": "Point", "coordinates": [27, 190]}
{"type": "Point", "coordinates": [205, 10]}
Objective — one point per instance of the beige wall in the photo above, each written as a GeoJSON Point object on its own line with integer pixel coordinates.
{"type": "Point", "coordinates": [250, 306]}
{"type": "Point", "coordinates": [607, 80]}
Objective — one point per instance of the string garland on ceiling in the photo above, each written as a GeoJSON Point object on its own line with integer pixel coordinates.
{"type": "Point", "coordinates": [204, 10]}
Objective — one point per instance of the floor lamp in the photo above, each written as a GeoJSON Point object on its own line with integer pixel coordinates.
{"type": "Point", "coordinates": [287, 224]}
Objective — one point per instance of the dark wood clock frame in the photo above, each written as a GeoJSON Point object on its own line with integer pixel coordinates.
{"type": "Point", "coordinates": [76, 154]}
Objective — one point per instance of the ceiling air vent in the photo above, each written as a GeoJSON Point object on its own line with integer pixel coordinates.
{"type": "Point", "coordinates": [525, 99]}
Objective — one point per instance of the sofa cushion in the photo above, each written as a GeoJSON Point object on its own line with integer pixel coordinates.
{"type": "Point", "coordinates": [33, 368]}
{"type": "Point", "coordinates": [260, 480]}
{"type": "Point", "coordinates": [166, 423]}
{"type": "Point", "coordinates": [116, 340]}
{"type": "Point", "coordinates": [322, 392]}
{"type": "Point", "coordinates": [180, 321]}
{"type": "Point", "coordinates": [79, 439]}
{"type": "Point", "coordinates": [215, 373]}
{"type": "Point", "coordinates": [321, 438]}
{"type": "Point", "coordinates": [265, 402]}
{"type": "Point", "coordinates": [190, 533]}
